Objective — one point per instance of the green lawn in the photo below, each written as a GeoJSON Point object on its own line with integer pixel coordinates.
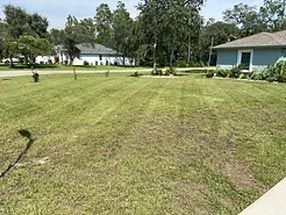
{"type": "Point", "coordinates": [65, 68]}
{"type": "Point", "coordinates": [122, 145]}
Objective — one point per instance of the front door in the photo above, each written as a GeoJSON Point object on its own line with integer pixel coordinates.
{"type": "Point", "coordinates": [245, 60]}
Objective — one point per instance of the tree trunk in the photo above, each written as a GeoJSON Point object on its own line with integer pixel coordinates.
{"type": "Point", "coordinates": [71, 60]}
{"type": "Point", "coordinates": [189, 51]}
{"type": "Point", "coordinates": [26, 60]}
{"type": "Point", "coordinates": [11, 62]}
{"type": "Point", "coordinates": [171, 58]}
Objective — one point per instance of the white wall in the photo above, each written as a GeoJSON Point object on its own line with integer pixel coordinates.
{"type": "Point", "coordinates": [44, 59]}
{"type": "Point", "coordinates": [104, 60]}
{"type": "Point", "coordinates": [91, 59]}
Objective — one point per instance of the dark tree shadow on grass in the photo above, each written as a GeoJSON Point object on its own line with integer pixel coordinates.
{"type": "Point", "coordinates": [25, 134]}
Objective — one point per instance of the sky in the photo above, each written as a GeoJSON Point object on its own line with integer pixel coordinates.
{"type": "Point", "coordinates": [57, 10]}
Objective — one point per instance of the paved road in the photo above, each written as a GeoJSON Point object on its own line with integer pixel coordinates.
{"type": "Point", "coordinates": [12, 73]}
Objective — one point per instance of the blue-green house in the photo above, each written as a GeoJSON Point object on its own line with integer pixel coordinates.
{"type": "Point", "coordinates": [252, 52]}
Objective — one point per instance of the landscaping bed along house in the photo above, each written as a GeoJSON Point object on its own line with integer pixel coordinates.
{"type": "Point", "coordinates": [272, 73]}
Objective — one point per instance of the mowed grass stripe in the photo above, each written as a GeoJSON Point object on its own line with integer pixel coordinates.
{"type": "Point", "coordinates": [150, 146]}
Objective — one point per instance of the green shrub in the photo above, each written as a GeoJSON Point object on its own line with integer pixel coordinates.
{"type": "Point", "coordinates": [157, 72]}
{"type": "Point", "coordinates": [210, 74]}
{"type": "Point", "coordinates": [272, 73]}
{"type": "Point", "coordinates": [235, 72]}
{"type": "Point", "coordinates": [222, 73]}
{"type": "Point", "coordinates": [256, 75]}
{"type": "Point", "coordinates": [85, 63]}
{"type": "Point", "coordinates": [170, 71]}
{"type": "Point", "coordinates": [198, 64]}
{"type": "Point", "coordinates": [182, 63]}
{"type": "Point", "coordinates": [282, 77]}
{"type": "Point", "coordinates": [136, 75]}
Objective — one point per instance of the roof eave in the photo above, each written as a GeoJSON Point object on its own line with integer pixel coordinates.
{"type": "Point", "coordinates": [250, 46]}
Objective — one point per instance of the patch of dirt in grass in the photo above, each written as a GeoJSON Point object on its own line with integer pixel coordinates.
{"type": "Point", "coordinates": [42, 161]}
{"type": "Point", "coordinates": [189, 198]}
{"type": "Point", "coordinates": [240, 175]}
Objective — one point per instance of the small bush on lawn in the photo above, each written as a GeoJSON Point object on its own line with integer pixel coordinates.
{"type": "Point", "coordinates": [210, 74]}
{"type": "Point", "coordinates": [85, 63]}
{"type": "Point", "coordinates": [136, 75]}
{"type": "Point", "coordinates": [157, 72]}
{"type": "Point", "coordinates": [170, 71]}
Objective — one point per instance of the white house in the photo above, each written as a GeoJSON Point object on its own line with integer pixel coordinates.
{"type": "Point", "coordinates": [91, 55]}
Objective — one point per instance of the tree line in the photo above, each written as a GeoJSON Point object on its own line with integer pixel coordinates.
{"type": "Point", "coordinates": [165, 32]}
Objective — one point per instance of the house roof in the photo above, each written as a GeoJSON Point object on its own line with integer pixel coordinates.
{"type": "Point", "coordinates": [97, 49]}
{"type": "Point", "coordinates": [263, 39]}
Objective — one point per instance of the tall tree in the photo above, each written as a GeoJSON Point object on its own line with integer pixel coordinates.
{"type": "Point", "coordinates": [271, 16]}
{"type": "Point", "coordinates": [17, 20]}
{"type": "Point", "coordinates": [22, 23]}
{"type": "Point", "coordinates": [75, 33]}
{"type": "Point", "coordinates": [218, 33]}
{"type": "Point", "coordinates": [172, 25]}
{"type": "Point", "coordinates": [38, 25]}
{"type": "Point", "coordinates": [122, 27]}
{"type": "Point", "coordinates": [103, 21]}
{"type": "Point", "coordinates": [3, 37]}
{"type": "Point", "coordinates": [27, 46]}
{"type": "Point", "coordinates": [56, 36]}
{"type": "Point", "coordinates": [274, 13]}
{"type": "Point", "coordinates": [247, 17]}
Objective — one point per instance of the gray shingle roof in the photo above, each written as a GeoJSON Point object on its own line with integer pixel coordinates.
{"type": "Point", "coordinates": [263, 39]}
{"type": "Point", "coordinates": [89, 49]}
{"type": "Point", "coordinates": [96, 49]}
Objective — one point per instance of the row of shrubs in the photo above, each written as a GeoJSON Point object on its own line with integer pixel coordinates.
{"type": "Point", "coordinates": [272, 73]}
{"type": "Point", "coordinates": [167, 72]}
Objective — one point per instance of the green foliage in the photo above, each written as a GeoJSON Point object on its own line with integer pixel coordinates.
{"type": "Point", "coordinates": [182, 63]}
{"type": "Point", "coordinates": [157, 72]}
{"type": "Point", "coordinates": [85, 63]}
{"type": "Point", "coordinates": [273, 73]}
{"type": "Point", "coordinates": [174, 27]}
{"type": "Point", "coordinates": [77, 32]}
{"type": "Point", "coordinates": [56, 36]}
{"type": "Point", "coordinates": [222, 73]}
{"type": "Point", "coordinates": [122, 27]}
{"type": "Point", "coordinates": [170, 71]}
{"type": "Point", "coordinates": [20, 23]}
{"type": "Point", "coordinates": [235, 72]}
{"type": "Point", "coordinates": [247, 17]}
{"type": "Point", "coordinates": [210, 74]}
{"type": "Point", "coordinates": [103, 20]}
{"type": "Point", "coordinates": [29, 47]}
{"type": "Point", "coordinates": [269, 17]}
{"type": "Point", "coordinates": [197, 63]}
{"type": "Point", "coordinates": [221, 32]}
